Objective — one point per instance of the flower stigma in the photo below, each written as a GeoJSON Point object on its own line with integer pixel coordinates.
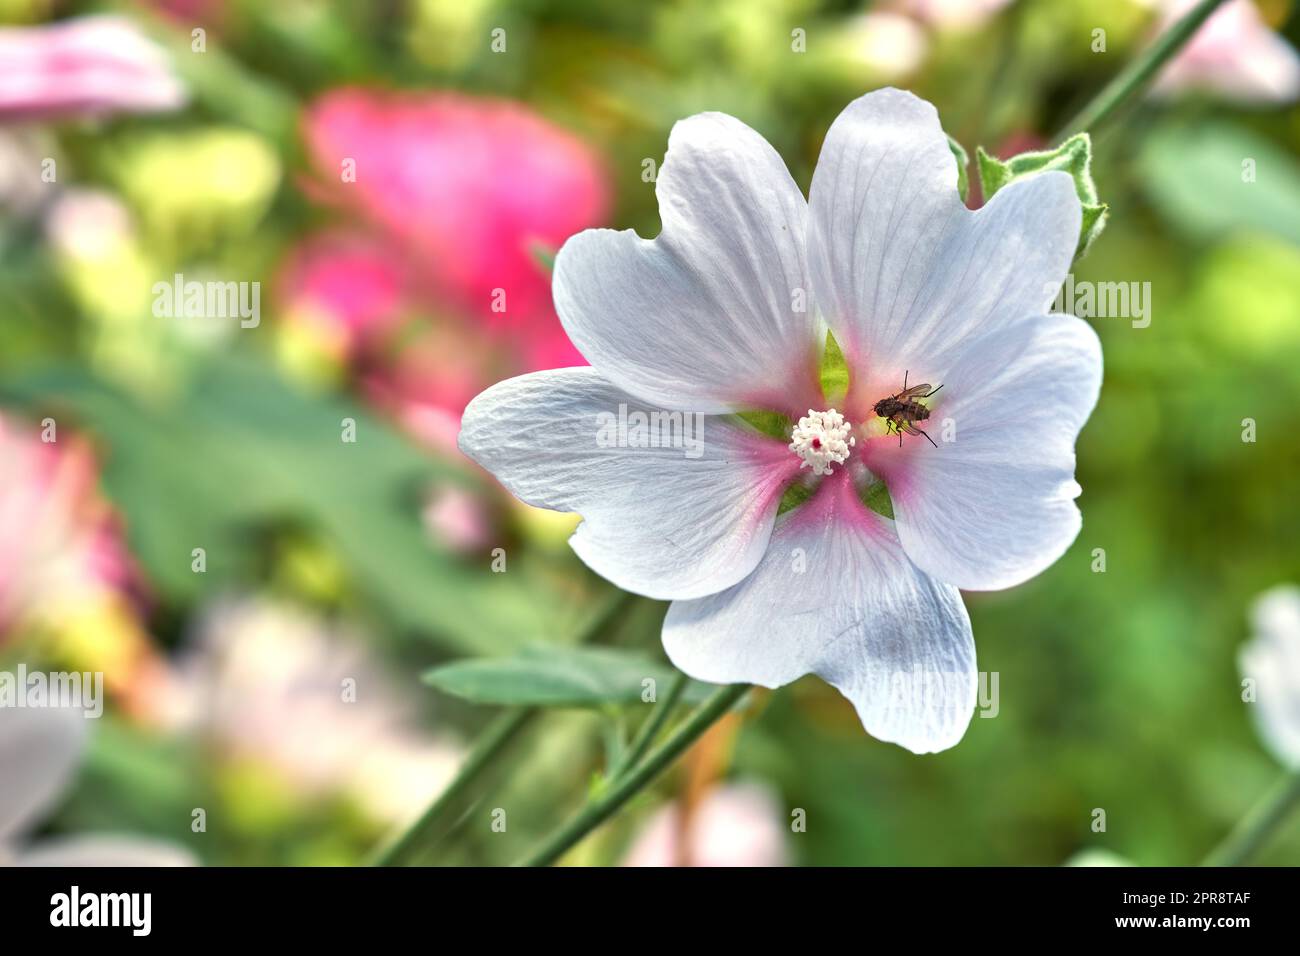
{"type": "Point", "coordinates": [822, 439]}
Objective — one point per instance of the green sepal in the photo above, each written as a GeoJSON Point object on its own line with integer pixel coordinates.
{"type": "Point", "coordinates": [876, 497]}
{"type": "Point", "coordinates": [771, 424]}
{"type": "Point", "coordinates": [796, 493]}
{"type": "Point", "coordinates": [1074, 156]}
{"type": "Point", "coordinates": [963, 167]}
{"type": "Point", "coordinates": [834, 372]}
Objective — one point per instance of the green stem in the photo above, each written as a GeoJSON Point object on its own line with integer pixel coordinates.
{"type": "Point", "coordinates": [1256, 827]}
{"type": "Point", "coordinates": [650, 729]}
{"type": "Point", "coordinates": [607, 804]}
{"type": "Point", "coordinates": [499, 733]}
{"type": "Point", "coordinates": [1135, 78]}
{"type": "Point", "coordinates": [490, 743]}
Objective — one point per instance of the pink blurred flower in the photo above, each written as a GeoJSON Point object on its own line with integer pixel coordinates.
{"type": "Point", "coordinates": [458, 518]}
{"type": "Point", "coordinates": [348, 288]}
{"type": "Point", "coordinates": [363, 303]}
{"type": "Point", "coordinates": [193, 13]}
{"type": "Point", "coordinates": [468, 184]}
{"type": "Point", "coordinates": [451, 197]}
{"type": "Point", "coordinates": [87, 66]}
{"type": "Point", "coordinates": [59, 541]}
{"type": "Point", "coordinates": [429, 378]}
{"type": "Point", "coordinates": [740, 824]}
{"type": "Point", "coordinates": [953, 13]}
{"type": "Point", "coordinates": [273, 684]}
{"type": "Point", "coordinates": [1234, 54]}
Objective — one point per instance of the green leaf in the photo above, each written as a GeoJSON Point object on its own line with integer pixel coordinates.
{"type": "Point", "coordinates": [1074, 156]}
{"type": "Point", "coordinates": [239, 448]}
{"type": "Point", "coordinates": [553, 676]}
{"type": "Point", "coordinates": [226, 88]}
{"type": "Point", "coordinates": [963, 166]}
{"type": "Point", "coordinates": [1216, 178]}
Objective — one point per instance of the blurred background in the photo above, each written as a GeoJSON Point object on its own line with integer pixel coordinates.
{"type": "Point", "coordinates": [237, 521]}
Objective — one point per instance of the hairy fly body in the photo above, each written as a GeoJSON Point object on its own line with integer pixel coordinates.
{"type": "Point", "coordinates": [902, 411]}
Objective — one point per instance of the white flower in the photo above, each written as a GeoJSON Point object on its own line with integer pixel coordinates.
{"type": "Point", "coordinates": [39, 752]}
{"type": "Point", "coordinates": [1272, 660]}
{"type": "Point", "coordinates": [710, 318]}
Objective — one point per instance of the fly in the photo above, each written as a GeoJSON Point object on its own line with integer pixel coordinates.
{"type": "Point", "coordinates": [903, 411]}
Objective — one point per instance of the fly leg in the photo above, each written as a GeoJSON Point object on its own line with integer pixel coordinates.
{"type": "Point", "coordinates": [913, 430]}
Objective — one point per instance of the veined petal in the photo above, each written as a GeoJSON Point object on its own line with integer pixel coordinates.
{"type": "Point", "coordinates": [836, 596]}
{"type": "Point", "coordinates": [901, 269]}
{"type": "Point", "coordinates": [994, 506]}
{"type": "Point", "coordinates": [688, 515]}
{"type": "Point", "coordinates": [39, 751]}
{"type": "Point", "coordinates": [714, 314]}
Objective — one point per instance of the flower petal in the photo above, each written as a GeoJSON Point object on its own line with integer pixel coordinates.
{"type": "Point", "coordinates": [706, 317]}
{"type": "Point", "coordinates": [900, 268]}
{"type": "Point", "coordinates": [681, 520]}
{"type": "Point", "coordinates": [39, 751]}
{"type": "Point", "coordinates": [895, 642]}
{"type": "Point", "coordinates": [995, 505]}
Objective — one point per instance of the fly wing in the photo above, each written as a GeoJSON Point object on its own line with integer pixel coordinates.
{"type": "Point", "coordinates": [914, 391]}
{"type": "Point", "coordinates": [910, 428]}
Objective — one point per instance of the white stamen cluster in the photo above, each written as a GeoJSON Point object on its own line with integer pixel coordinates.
{"type": "Point", "coordinates": [822, 439]}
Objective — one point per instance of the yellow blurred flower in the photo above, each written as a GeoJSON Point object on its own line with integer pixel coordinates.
{"type": "Point", "coordinates": [195, 187]}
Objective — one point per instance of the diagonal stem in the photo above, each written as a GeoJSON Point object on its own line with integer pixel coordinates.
{"type": "Point", "coordinates": [1254, 830]}
{"type": "Point", "coordinates": [645, 736]}
{"type": "Point", "coordinates": [489, 745]}
{"type": "Point", "coordinates": [1137, 76]}
{"type": "Point", "coordinates": [491, 742]}
{"type": "Point", "coordinates": [623, 789]}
